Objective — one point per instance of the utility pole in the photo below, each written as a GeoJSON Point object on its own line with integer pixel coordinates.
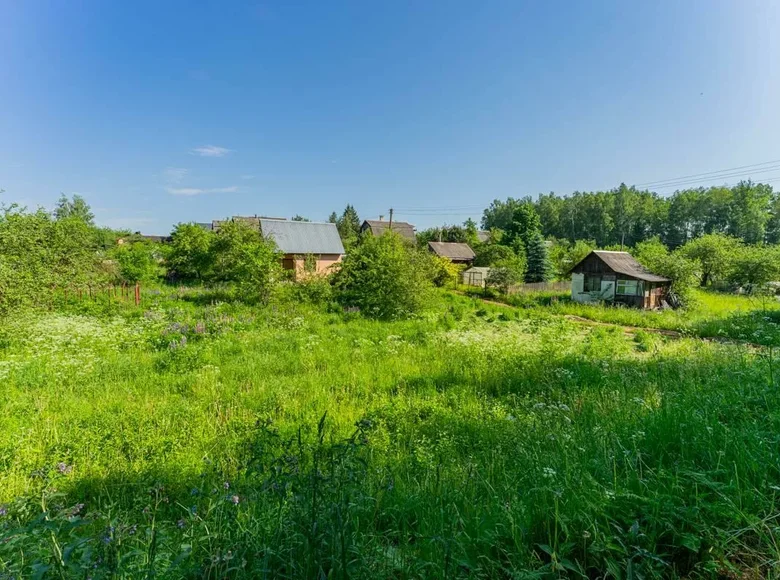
{"type": "Point", "coordinates": [391, 219]}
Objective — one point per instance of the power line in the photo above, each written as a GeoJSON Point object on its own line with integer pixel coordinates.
{"type": "Point", "coordinates": [709, 173]}
{"type": "Point", "coordinates": [709, 180]}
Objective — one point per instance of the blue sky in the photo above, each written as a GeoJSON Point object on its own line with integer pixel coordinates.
{"type": "Point", "coordinates": [160, 112]}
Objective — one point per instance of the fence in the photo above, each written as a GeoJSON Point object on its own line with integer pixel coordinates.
{"type": "Point", "coordinates": [560, 286]}
{"type": "Point", "coordinates": [121, 293]}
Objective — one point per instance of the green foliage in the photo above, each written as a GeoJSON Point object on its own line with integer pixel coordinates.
{"type": "Point", "coordinates": [75, 208]}
{"type": "Point", "coordinates": [754, 266]}
{"type": "Point", "coordinates": [624, 216]}
{"type": "Point", "coordinates": [492, 254]}
{"type": "Point", "coordinates": [348, 225]}
{"type": "Point", "coordinates": [503, 276]}
{"type": "Point", "coordinates": [384, 277]}
{"type": "Point", "coordinates": [538, 267]}
{"type": "Point", "coordinates": [191, 256]}
{"type": "Point", "coordinates": [39, 254]}
{"type": "Point", "coordinates": [524, 227]}
{"type": "Point", "coordinates": [242, 256]}
{"type": "Point", "coordinates": [564, 255]}
{"type": "Point", "coordinates": [714, 253]}
{"type": "Point", "coordinates": [445, 273]}
{"type": "Point", "coordinates": [300, 218]}
{"type": "Point", "coordinates": [657, 258]}
{"type": "Point", "coordinates": [138, 261]}
{"type": "Point", "coordinates": [290, 441]}
{"type": "Point", "coordinates": [445, 233]}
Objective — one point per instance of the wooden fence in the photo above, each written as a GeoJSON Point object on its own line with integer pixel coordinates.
{"type": "Point", "coordinates": [119, 292]}
{"type": "Point", "coordinates": [561, 286]}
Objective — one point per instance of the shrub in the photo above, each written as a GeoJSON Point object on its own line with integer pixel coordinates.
{"type": "Point", "coordinates": [137, 262]}
{"type": "Point", "coordinates": [384, 277]}
{"type": "Point", "coordinates": [445, 273]}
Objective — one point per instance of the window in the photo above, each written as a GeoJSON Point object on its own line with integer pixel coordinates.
{"type": "Point", "coordinates": [592, 283]}
{"type": "Point", "coordinates": [628, 287]}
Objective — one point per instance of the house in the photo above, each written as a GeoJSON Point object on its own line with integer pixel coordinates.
{"type": "Point", "coordinates": [475, 276]}
{"type": "Point", "coordinates": [617, 277]}
{"type": "Point", "coordinates": [299, 240]}
{"type": "Point", "coordinates": [457, 253]}
{"type": "Point", "coordinates": [379, 227]}
{"type": "Point", "coordinates": [483, 236]}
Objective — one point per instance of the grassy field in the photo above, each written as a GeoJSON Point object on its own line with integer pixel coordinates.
{"type": "Point", "coordinates": [191, 439]}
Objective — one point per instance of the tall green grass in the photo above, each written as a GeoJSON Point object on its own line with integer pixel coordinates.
{"type": "Point", "coordinates": [192, 439]}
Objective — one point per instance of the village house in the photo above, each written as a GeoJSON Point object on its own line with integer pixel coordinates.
{"type": "Point", "coordinates": [604, 276]}
{"type": "Point", "coordinates": [379, 227]}
{"type": "Point", "coordinates": [299, 241]}
{"type": "Point", "coordinates": [457, 253]}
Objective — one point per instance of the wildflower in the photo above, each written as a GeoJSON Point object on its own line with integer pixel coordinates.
{"type": "Point", "coordinates": [64, 468]}
{"type": "Point", "coordinates": [181, 524]}
{"type": "Point", "coordinates": [548, 472]}
{"type": "Point", "coordinates": [132, 530]}
{"type": "Point", "coordinates": [226, 485]}
{"type": "Point", "coordinates": [235, 499]}
{"type": "Point", "coordinates": [194, 491]}
{"type": "Point", "coordinates": [563, 407]}
{"type": "Point", "coordinates": [539, 406]}
{"type": "Point", "coordinates": [3, 511]}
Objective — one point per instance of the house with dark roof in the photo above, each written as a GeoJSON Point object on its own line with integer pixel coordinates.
{"type": "Point", "coordinates": [604, 276]}
{"type": "Point", "coordinates": [457, 253]}
{"type": "Point", "coordinates": [308, 247]}
{"type": "Point", "coordinates": [379, 227]}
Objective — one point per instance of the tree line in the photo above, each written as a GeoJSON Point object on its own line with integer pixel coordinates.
{"type": "Point", "coordinates": [626, 215]}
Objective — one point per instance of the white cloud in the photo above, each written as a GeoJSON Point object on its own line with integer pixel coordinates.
{"type": "Point", "coordinates": [175, 174]}
{"type": "Point", "coordinates": [247, 177]}
{"type": "Point", "coordinates": [190, 191]}
{"type": "Point", "coordinates": [210, 151]}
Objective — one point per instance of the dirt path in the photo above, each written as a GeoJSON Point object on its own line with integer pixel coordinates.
{"type": "Point", "coordinates": [629, 330]}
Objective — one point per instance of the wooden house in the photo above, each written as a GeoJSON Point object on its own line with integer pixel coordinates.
{"type": "Point", "coordinates": [379, 227]}
{"type": "Point", "coordinates": [457, 253]}
{"type": "Point", "coordinates": [604, 276]}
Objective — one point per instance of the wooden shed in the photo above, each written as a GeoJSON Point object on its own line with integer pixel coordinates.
{"type": "Point", "coordinates": [604, 276]}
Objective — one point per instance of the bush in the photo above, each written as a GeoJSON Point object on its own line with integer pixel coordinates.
{"type": "Point", "coordinates": [445, 273]}
{"type": "Point", "coordinates": [384, 277]}
{"type": "Point", "coordinates": [137, 262]}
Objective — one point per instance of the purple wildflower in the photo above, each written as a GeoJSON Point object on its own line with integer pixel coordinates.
{"type": "Point", "coordinates": [64, 468]}
{"type": "Point", "coordinates": [3, 511]}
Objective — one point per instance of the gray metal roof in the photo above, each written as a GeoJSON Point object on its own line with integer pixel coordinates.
{"type": "Point", "coordinates": [303, 237]}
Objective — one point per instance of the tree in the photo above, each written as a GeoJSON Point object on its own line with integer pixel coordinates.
{"type": "Point", "coordinates": [754, 266]}
{"type": "Point", "coordinates": [190, 256]}
{"type": "Point", "coordinates": [564, 255]}
{"type": "Point", "coordinates": [136, 262]}
{"type": "Point", "coordinates": [384, 277]}
{"type": "Point", "coordinates": [242, 256]}
{"type": "Point", "coordinates": [624, 211]}
{"type": "Point", "coordinates": [300, 218]}
{"type": "Point", "coordinates": [500, 213]}
{"type": "Point", "coordinates": [349, 226]}
{"type": "Point", "coordinates": [538, 268]}
{"type": "Point", "coordinates": [492, 254]}
{"type": "Point", "coordinates": [333, 218]}
{"type": "Point", "coordinates": [525, 225]}
{"type": "Point", "coordinates": [76, 207]}
{"type": "Point", "coordinates": [503, 277]}
{"type": "Point", "coordinates": [713, 253]}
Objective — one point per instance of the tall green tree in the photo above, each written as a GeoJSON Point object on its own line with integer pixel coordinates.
{"type": "Point", "coordinates": [525, 225]}
{"type": "Point", "coordinates": [191, 256]}
{"type": "Point", "coordinates": [348, 225]}
{"type": "Point", "coordinates": [714, 253]}
{"type": "Point", "coordinates": [538, 267]}
{"type": "Point", "coordinates": [75, 207]}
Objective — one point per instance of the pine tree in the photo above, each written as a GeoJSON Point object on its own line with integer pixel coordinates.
{"type": "Point", "coordinates": [349, 226]}
{"type": "Point", "coordinates": [333, 218]}
{"type": "Point", "coordinates": [538, 267]}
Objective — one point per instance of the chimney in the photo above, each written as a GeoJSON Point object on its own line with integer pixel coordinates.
{"type": "Point", "coordinates": [381, 217]}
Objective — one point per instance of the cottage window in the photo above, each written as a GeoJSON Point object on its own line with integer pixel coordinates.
{"type": "Point", "coordinates": [627, 287]}
{"type": "Point", "coordinates": [592, 283]}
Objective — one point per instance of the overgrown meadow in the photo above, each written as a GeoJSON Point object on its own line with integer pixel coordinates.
{"type": "Point", "coordinates": [193, 438]}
